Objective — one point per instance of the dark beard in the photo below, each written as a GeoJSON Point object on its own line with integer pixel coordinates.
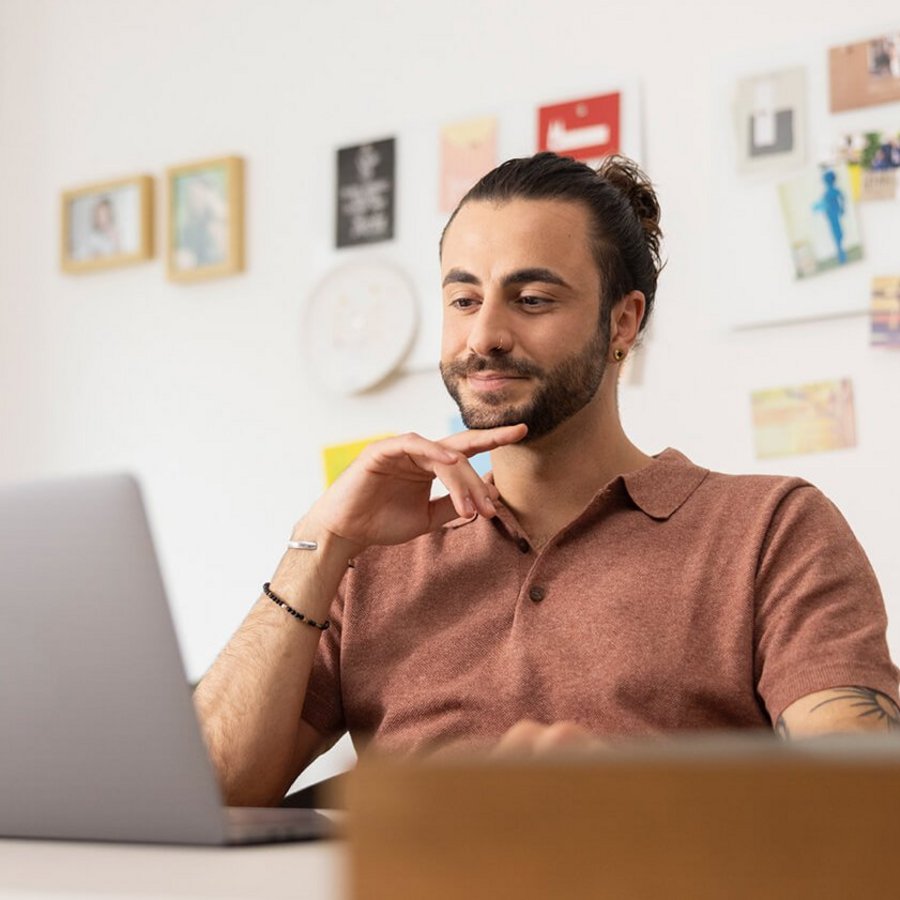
{"type": "Point", "coordinates": [562, 392]}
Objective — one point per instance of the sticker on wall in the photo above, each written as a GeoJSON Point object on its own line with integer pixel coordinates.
{"type": "Point", "coordinates": [873, 160]}
{"type": "Point", "coordinates": [468, 151]}
{"type": "Point", "coordinates": [821, 221]}
{"type": "Point", "coordinates": [587, 129]}
{"type": "Point", "coordinates": [770, 120]}
{"type": "Point", "coordinates": [337, 457]}
{"type": "Point", "coordinates": [365, 193]}
{"type": "Point", "coordinates": [886, 311]}
{"type": "Point", "coordinates": [865, 73]}
{"type": "Point", "coordinates": [811, 418]}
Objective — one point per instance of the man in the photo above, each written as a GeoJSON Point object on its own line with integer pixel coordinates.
{"type": "Point", "coordinates": [585, 590]}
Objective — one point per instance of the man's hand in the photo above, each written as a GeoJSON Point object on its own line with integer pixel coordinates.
{"type": "Point", "coordinates": [529, 738]}
{"type": "Point", "coordinates": [384, 496]}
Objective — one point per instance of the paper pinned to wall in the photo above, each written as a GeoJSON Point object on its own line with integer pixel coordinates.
{"type": "Point", "coordinates": [337, 457]}
{"type": "Point", "coordinates": [809, 418]}
{"type": "Point", "coordinates": [468, 151]}
{"type": "Point", "coordinates": [820, 217]}
{"type": "Point", "coordinates": [770, 122]}
{"type": "Point", "coordinates": [886, 311]}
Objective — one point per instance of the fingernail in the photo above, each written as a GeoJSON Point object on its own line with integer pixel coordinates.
{"type": "Point", "coordinates": [469, 507]}
{"type": "Point", "coordinates": [490, 505]}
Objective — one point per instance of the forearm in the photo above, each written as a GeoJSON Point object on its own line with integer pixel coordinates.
{"type": "Point", "coordinates": [844, 709]}
{"type": "Point", "coordinates": [249, 702]}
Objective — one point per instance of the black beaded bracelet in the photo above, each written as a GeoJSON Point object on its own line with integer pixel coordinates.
{"type": "Point", "coordinates": [322, 626]}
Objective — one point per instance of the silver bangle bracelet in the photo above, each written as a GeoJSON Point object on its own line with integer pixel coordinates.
{"type": "Point", "coordinates": [303, 545]}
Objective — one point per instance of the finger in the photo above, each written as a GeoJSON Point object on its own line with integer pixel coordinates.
{"type": "Point", "coordinates": [423, 453]}
{"type": "Point", "coordinates": [563, 734]}
{"type": "Point", "coordinates": [519, 740]}
{"type": "Point", "coordinates": [470, 494]}
{"type": "Point", "coordinates": [481, 439]}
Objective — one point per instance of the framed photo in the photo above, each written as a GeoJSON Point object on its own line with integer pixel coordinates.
{"type": "Point", "coordinates": [107, 225]}
{"type": "Point", "coordinates": [206, 219]}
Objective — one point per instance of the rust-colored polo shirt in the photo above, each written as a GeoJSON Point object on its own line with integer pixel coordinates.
{"type": "Point", "coordinates": [679, 599]}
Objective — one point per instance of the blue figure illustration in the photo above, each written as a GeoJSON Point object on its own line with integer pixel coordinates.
{"type": "Point", "coordinates": [832, 205]}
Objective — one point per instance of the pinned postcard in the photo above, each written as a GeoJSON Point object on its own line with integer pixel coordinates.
{"type": "Point", "coordinates": [886, 311]}
{"type": "Point", "coordinates": [337, 457]}
{"type": "Point", "coordinates": [365, 193]}
{"type": "Point", "coordinates": [587, 129]}
{"type": "Point", "coordinates": [873, 161]}
{"type": "Point", "coordinates": [468, 151]}
{"type": "Point", "coordinates": [811, 418]}
{"type": "Point", "coordinates": [865, 73]}
{"type": "Point", "coordinates": [770, 119]}
{"type": "Point", "coordinates": [821, 220]}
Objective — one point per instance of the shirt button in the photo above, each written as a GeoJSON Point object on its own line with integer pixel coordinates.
{"type": "Point", "coordinates": [536, 593]}
{"type": "Point", "coordinates": [524, 546]}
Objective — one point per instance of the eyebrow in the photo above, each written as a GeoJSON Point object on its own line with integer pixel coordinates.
{"type": "Point", "coordinates": [520, 276]}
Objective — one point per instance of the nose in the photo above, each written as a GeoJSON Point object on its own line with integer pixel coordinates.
{"type": "Point", "coordinates": [491, 334]}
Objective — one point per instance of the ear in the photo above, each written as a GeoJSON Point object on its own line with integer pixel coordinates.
{"type": "Point", "coordinates": [625, 320]}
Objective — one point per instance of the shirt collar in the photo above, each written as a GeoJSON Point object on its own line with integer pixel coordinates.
{"type": "Point", "coordinates": [664, 485]}
{"type": "Point", "coordinates": [658, 489]}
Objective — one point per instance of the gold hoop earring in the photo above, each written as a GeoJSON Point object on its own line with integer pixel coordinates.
{"type": "Point", "coordinates": [618, 354]}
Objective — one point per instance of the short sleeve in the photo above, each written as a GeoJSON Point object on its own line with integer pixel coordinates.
{"type": "Point", "coordinates": [323, 707]}
{"type": "Point", "coordinates": [820, 620]}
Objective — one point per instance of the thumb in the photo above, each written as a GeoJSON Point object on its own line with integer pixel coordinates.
{"type": "Point", "coordinates": [440, 512]}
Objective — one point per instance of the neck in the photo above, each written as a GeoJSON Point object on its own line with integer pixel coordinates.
{"type": "Point", "coordinates": [548, 481]}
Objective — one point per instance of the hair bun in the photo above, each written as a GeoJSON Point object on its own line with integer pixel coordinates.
{"type": "Point", "coordinates": [628, 177]}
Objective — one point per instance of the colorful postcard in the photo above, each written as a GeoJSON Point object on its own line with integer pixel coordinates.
{"type": "Point", "coordinates": [821, 220]}
{"type": "Point", "coordinates": [366, 185]}
{"type": "Point", "coordinates": [873, 161]}
{"type": "Point", "coordinates": [811, 418]}
{"type": "Point", "coordinates": [587, 129]}
{"type": "Point", "coordinates": [337, 457]}
{"type": "Point", "coordinates": [886, 311]}
{"type": "Point", "coordinates": [468, 151]}
{"type": "Point", "coordinates": [481, 462]}
{"type": "Point", "coordinates": [770, 118]}
{"type": "Point", "coordinates": [865, 73]}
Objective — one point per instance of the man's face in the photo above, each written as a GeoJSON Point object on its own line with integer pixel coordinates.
{"type": "Point", "coordinates": [522, 340]}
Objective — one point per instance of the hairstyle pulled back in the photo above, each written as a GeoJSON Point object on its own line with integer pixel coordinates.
{"type": "Point", "coordinates": [624, 212]}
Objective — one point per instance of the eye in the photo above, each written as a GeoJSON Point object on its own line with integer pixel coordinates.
{"type": "Point", "coordinates": [462, 303]}
{"type": "Point", "coordinates": [531, 302]}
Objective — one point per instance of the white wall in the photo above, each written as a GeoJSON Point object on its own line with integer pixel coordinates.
{"type": "Point", "coordinates": [201, 388]}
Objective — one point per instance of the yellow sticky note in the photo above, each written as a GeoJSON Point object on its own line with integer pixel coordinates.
{"type": "Point", "coordinates": [337, 457]}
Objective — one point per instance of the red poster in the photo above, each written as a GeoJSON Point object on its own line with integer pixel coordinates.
{"type": "Point", "coordinates": [583, 129]}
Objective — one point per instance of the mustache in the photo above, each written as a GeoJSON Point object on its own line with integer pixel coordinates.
{"type": "Point", "coordinates": [475, 363]}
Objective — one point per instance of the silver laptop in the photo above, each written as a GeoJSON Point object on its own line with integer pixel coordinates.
{"type": "Point", "coordinates": [98, 736]}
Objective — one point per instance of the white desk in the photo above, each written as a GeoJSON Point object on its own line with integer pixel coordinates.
{"type": "Point", "coordinates": [77, 871]}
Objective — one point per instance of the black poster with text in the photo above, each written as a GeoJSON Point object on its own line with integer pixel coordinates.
{"type": "Point", "coordinates": [365, 193]}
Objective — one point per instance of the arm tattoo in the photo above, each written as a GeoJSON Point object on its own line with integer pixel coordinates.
{"type": "Point", "coordinates": [781, 728]}
{"type": "Point", "coordinates": [871, 705]}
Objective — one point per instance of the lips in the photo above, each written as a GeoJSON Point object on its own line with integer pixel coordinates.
{"type": "Point", "coordinates": [491, 381]}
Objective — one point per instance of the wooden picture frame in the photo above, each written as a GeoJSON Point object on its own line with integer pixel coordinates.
{"type": "Point", "coordinates": [106, 225]}
{"type": "Point", "coordinates": [205, 219]}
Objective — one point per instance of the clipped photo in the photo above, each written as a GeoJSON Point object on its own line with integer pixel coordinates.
{"type": "Point", "coordinates": [206, 228]}
{"type": "Point", "coordinates": [873, 160]}
{"type": "Point", "coordinates": [821, 222]}
{"type": "Point", "coordinates": [107, 225]}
